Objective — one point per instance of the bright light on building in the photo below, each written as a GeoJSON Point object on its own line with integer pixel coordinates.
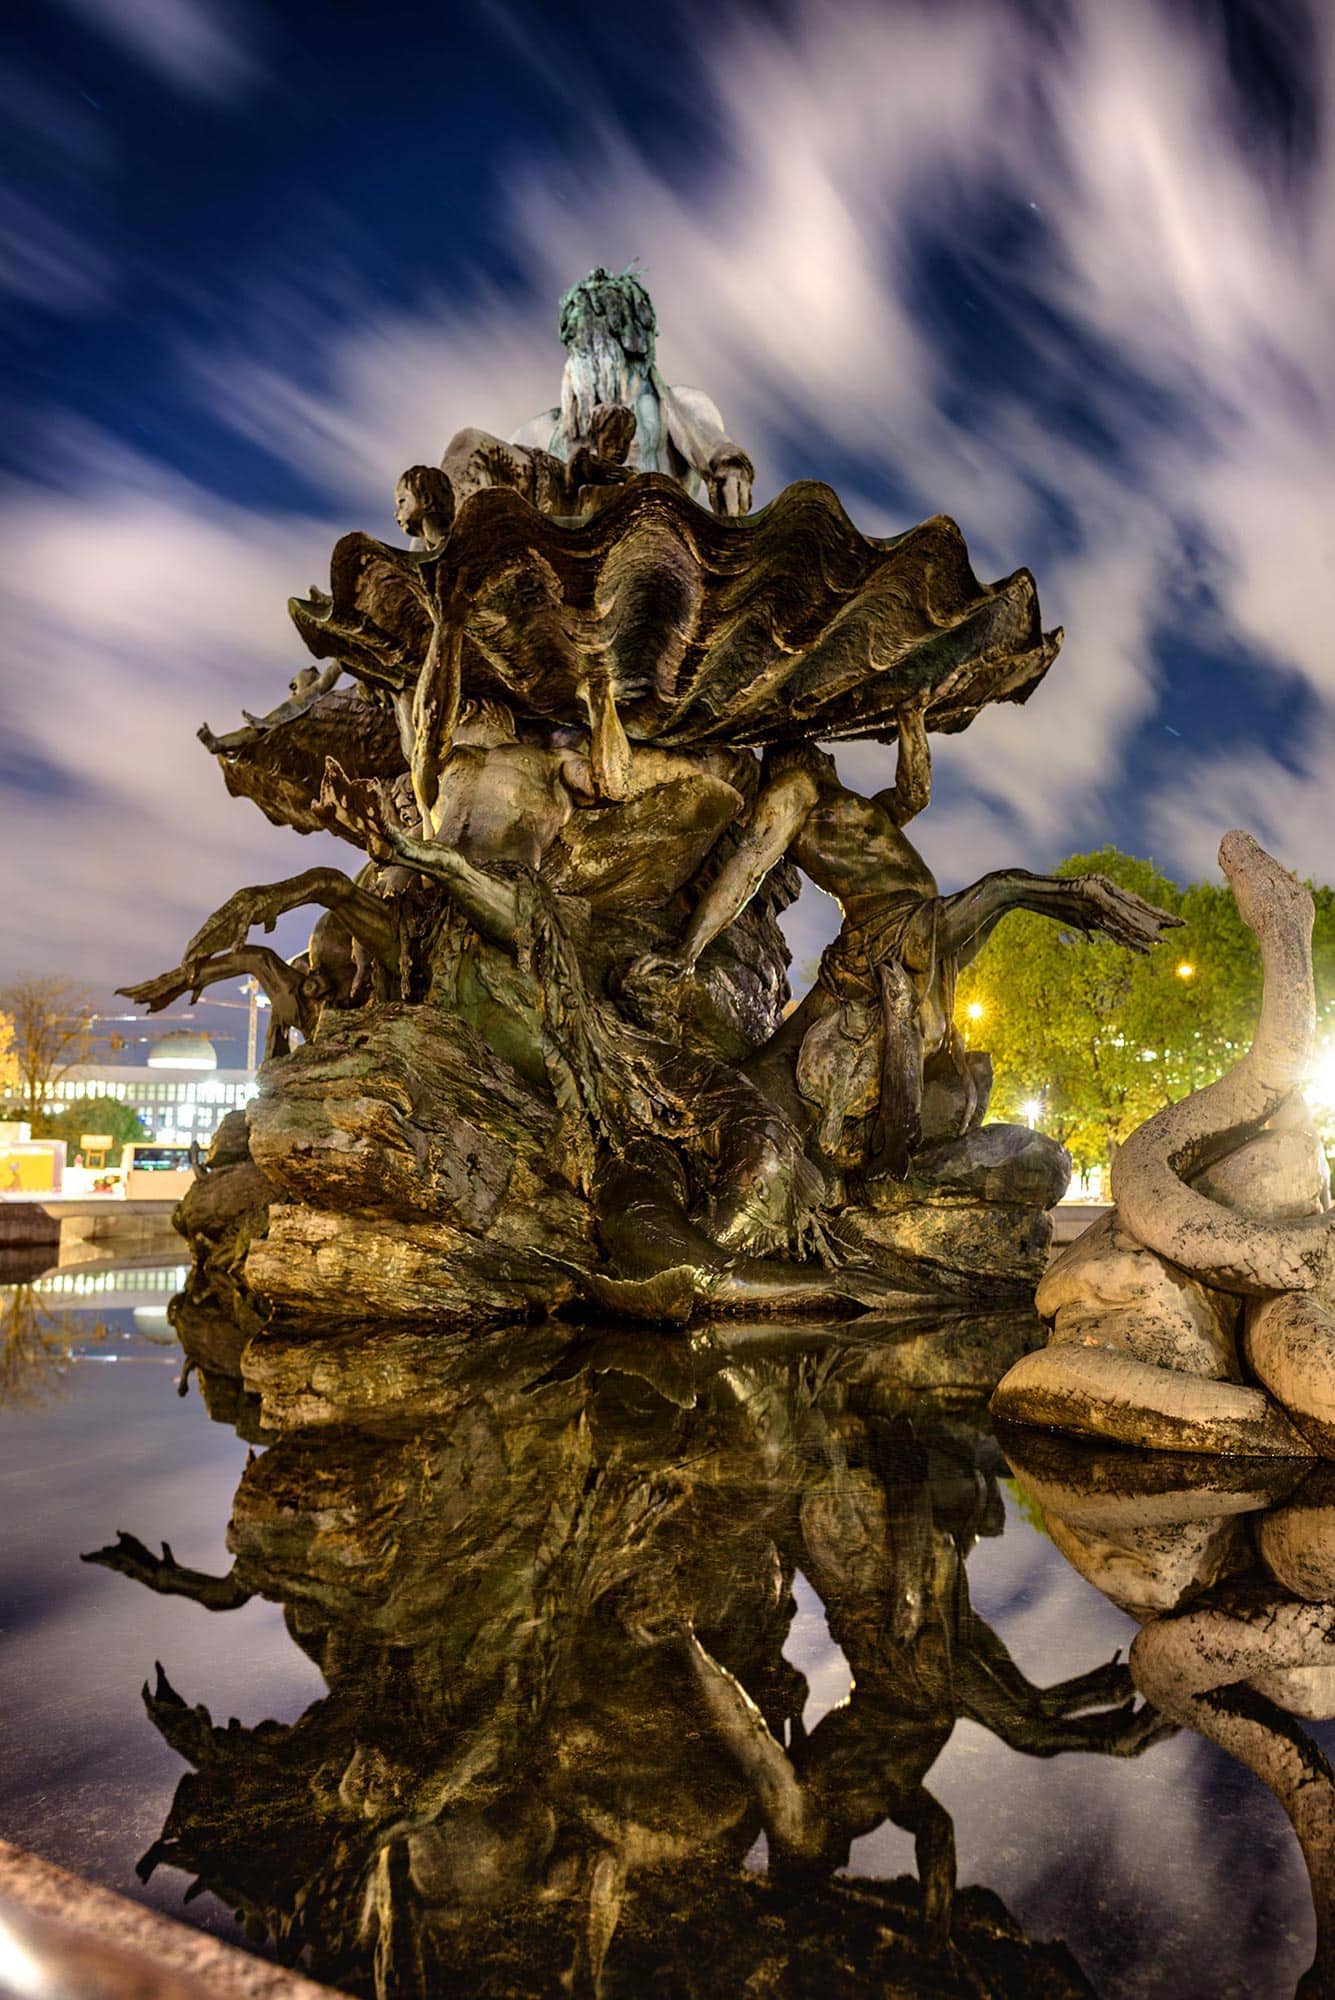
{"type": "Point", "coordinates": [183, 1050]}
{"type": "Point", "coordinates": [1319, 1090]}
{"type": "Point", "coordinates": [1032, 1110]}
{"type": "Point", "coordinates": [975, 1010]}
{"type": "Point", "coordinates": [1186, 970]}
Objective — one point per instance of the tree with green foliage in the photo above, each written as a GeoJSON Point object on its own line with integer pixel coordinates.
{"type": "Point", "coordinates": [92, 1114]}
{"type": "Point", "coordinates": [50, 1023]}
{"type": "Point", "coordinates": [1101, 1038]}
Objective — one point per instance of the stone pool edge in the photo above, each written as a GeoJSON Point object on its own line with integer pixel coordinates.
{"type": "Point", "coordinates": [39, 1888]}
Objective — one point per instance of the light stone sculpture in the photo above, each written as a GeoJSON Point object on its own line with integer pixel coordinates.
{"type": "Point", "coordinates": [1230, 1571]}
{"type": "Point", "coordinates": [609, 330]}
{"type": "Point", "coordinates": [1200, 1315]}
{"type": "Point", "coordinates": [546, 1054]}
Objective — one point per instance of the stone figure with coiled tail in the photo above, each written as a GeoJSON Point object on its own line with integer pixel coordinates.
{"type": "Point", "coordinates": [1200, 1315]}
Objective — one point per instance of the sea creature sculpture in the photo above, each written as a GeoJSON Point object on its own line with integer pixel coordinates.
{"type": "Point", "coordinates": [1200, 1315]}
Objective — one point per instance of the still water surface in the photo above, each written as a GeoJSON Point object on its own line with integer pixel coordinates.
{"type": "Point", "coordinates": [512, 1639]}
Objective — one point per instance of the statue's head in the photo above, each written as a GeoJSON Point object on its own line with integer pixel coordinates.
{"type": "Point", "coordinates": [607, 327]}
{"type": "Point", "coordinates": [610, 306]}
{"type": "Point", "coordinates": [424, 503]}
{"type": "Point", "coordinates": [485, 725]}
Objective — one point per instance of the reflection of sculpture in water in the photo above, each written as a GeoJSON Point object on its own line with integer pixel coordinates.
{"type": "Point", "coordinates": [551, 1620]}
{"type": "Point", "coordinates": [35, 1345]}
{"type": "Point", "coordinates": [1230, 1568]}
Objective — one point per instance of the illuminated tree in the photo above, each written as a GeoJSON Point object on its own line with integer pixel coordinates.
{"type": "Point", "coordinates": [1100, 1039]}
{"type": "Point", "coordinates": [50, 1024]}
{"type": "Point", "coordinates": [36, 1346]}
{"type": "Point", "coordinates": [9, 1068]}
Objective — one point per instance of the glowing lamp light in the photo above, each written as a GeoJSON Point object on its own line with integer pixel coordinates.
{"type": "Point", "coordinates": [1032, 1110]}
{"type": "Point", "coordinates": [21, 1970]}
{"type": "Point", "coordinates": [975, 1010]}
{"type": "Point", "coordinates": [1186, 970]}
{"type": "Point", "coordinates": [1319, 1090]}
{"type": "Point", "coordinates": [183, 1050]}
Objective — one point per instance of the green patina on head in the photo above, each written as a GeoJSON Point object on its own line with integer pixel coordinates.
{"type": "Point", "coordinates": [616, 305]}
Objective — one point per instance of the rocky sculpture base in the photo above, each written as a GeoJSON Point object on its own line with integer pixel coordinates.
{"type": "Point", "coordinates": [1200, 1315]}
{"type": "Point", "coordinates": [393, 1169]}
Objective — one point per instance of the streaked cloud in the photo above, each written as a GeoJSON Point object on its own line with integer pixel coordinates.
{"type": "Point", "coordinates": [45, 263]}
{"type": "Point", "coordinates": [140, 606]}
{"type": "Point", "coordinates": [1125, 384]}
{"type": "Point", "coordinates": [205, 47]}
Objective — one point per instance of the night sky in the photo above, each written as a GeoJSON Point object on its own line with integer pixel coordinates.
{"type": "Point", "coordinates": [1066, 272]}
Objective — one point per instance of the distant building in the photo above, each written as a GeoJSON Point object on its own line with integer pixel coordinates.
{"type": "Point", "coordinates": [180, 1093]}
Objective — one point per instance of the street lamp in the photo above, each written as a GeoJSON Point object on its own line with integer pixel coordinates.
{"type": "Point", "coordinates": [1319, 1090]}
{"type": "Point", "coordinates": [1186, 970]}
{"type": "Point", "coordinates": [1031, 1111]}
{"type": "Point", "coordinates": [258, 998]}
{"type": "Point", "coordinates": [975, 1010]}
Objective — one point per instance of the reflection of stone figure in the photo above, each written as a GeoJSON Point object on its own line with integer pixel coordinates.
{"type": "Point", "coordinates": [866, 1762]}
{"type": "Point", "coordinates": [1222, 1197]}
{"type": "Point", "coordinates": [608, 328]}
{"type": "Point", "coordinates": [1230, 1569]}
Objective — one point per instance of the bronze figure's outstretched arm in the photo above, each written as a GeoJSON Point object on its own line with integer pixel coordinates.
{"type": "Point", "coordinates": [489, 903]}
{"type": "Point", "coordinates": [362, 913]}
{"type": "Point", "coordinates": [1089, 902]}
{"type": "Point", "coordinates": [258, 961]}
{"type": "Point", "coordinates": [169, 1578]}
{"type": "Point", "coordinates": [294, 995]}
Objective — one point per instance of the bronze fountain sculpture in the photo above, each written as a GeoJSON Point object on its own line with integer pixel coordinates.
{"type": "Point", "coordinates": [547, 1052]}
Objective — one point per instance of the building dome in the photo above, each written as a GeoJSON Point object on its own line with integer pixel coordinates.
{"type": "Point", "coordinates": [182, 1050]}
